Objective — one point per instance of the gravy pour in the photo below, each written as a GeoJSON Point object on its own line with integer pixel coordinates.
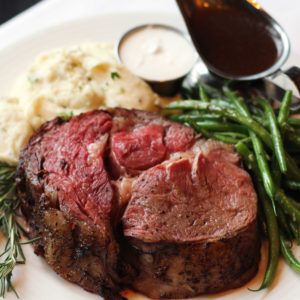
{"type": "Point", "coordinates": [233, 38]}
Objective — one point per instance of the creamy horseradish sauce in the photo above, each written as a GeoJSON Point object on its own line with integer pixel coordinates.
{"type": "Point", "coordinates": [157, 53]}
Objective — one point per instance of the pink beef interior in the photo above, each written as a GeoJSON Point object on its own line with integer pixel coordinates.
{"type": "Point", "coordinates": [74, 153]}
{"type": "Point", "coordinates": [193, 198]}
{"type": "Point", "coordinates": [82, 182]}
{"type": "Point", "coordinates": [178, 188]}
{"type": "Point", "coordinates": [139, 150]}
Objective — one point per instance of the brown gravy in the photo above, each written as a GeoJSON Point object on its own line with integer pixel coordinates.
{"type": "Point", "coordinates": [233, 41]}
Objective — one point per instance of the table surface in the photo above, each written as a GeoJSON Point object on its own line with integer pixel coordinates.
{"type": "Point", "coordinates": [50, 12]}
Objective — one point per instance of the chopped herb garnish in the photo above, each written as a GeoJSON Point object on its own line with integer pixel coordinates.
{"type": "Point", "coordinates": [66, 116]}
{"type": "Point", "coordinates": [122, 90]}
{"type": "Point", "coordinates": [33, 79]}
{"type": "Point", "coordinates": [114, 75]}
{"type": "Point", "coordinates": [80, 87]}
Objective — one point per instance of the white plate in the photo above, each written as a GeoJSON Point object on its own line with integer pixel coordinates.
{"type": "Point", "coordinates": [36, 280]}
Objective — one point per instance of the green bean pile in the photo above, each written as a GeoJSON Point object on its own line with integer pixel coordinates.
{"type": "Point", "coordinates": [269, 141]}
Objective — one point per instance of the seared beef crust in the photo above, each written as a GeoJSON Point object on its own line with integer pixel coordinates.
{"type": "Point", "coordinates": [176, 271]}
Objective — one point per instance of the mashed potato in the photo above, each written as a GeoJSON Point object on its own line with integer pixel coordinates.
{"type": "Point", "coordinates": [15, 129]}
{"type": "Point", "coordinates": [79, 79]}
{"type": "Point", "coordinates": [75, 79]}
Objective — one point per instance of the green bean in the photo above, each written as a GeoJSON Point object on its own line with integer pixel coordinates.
{"type": "Point", "coordinates": [292, 185]}
{"type": "Point", "coordinates": [292, 167]}
{"type": "Point", "coordinates": [237, 101]}
{"type": "Point", "coordinates": [194, 112]}
{"type": "Point", "coordinates": [284, 110]}
{"type": "Point", "coordinates": [236, 135]}
{"type": "Point", "coordinates": [295, 122]}
{"type": "Point", "coordinates": [210, 91]}
{"type": "Point", "coordinates": [202, 94]}
{"type": "Point", "coordinates": [228, 113]}
{"type": "Point", "coordinates": [262, 224]}
{"type": "Point", "coordinates": [275, 171]}
{"type": "Point", "coordinates": [177, 117]}
{"type": "Point", "coordinates": [255, 111]}
{"type": "Point", "coordinates": [198, 129]}
{"type": "Point", "coordinates": [231, 94]}
{"type": "Point", "coordinates": [188, 104]}
{"type": "Point", "coordinates": [225, 139]}
{"type": "Point", "coordinates": [293, 170]}
{"type": "Point", "coordinates": [207, 134]}
{"type": "Point", "coordinates": [289, 206]}
{"type": "Point", "coordinates": [295, 230]}
{"type": "Point", "coordinates": [257, 146]}
{"type": "Point", "coordinates": [272, 226]}
{"type": "Point", "coordinates": [261, 121]}
{"type": "Point", "coordinates": [283, 222]}
{"type": "Point", "coordinates": [222, 103]}
{"type": "Point", "coordinates": [248, 157]}
{"type": "Point", "coordinates": [273, 235]}
{"type": "Point", "coordinates": [275, 134]}
{"type": "Point", "coordinates": [263, 167]}
{"type": "Point", "coordinates": [218, 126]}
{"type": "Point", "coordinates": [287, 127]}
{"type": "Point", "coordinates": [187, 117]}
{"type": "Point", "coordinates": [187, 124]}
{"type": "Point", "coordinates": [277, 178]}
{"type": "Point", "coordinates": [288, 254]}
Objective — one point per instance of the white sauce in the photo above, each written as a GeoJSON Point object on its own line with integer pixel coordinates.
{"type": "Point", "coordinates": [157, 53]}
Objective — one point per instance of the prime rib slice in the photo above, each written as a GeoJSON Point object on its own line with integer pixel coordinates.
{"type": "Point", "coordinates": [127, 198]}
{"type": "Point", "coordinates": [190, 224]}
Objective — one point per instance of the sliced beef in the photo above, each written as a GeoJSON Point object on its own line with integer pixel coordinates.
{"type": "Point", "coordinates": [140, 140]}
{"type": "Point", "coordinates": [140, 149]}
{"type": "Point", "coordinates": [68, 200]}
{"type": "Point", "coordinates": [127, 198]}
{"type": "Point", "coordinates": [191, 224]}
{"type": "Point", "coordinates": [147, 146]}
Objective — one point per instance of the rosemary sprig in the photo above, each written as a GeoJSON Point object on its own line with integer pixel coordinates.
{"type": "Point", "coordinates": [12, 254]}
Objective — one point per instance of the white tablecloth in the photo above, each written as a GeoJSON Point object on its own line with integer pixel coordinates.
{"type": "Point", "coordinates": [50, 12]}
